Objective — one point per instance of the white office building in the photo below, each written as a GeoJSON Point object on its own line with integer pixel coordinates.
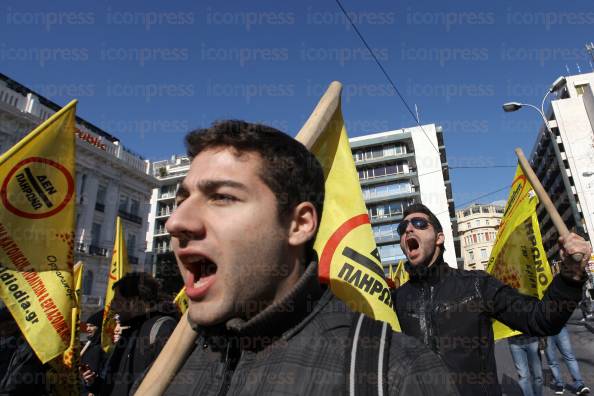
{"type": "Point", "coordinates": [571, 118]}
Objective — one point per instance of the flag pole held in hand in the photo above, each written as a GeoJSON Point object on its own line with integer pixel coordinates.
{"type": "Point", "coordinates": [545, 200]}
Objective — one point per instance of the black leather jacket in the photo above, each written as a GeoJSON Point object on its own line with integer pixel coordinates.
{"type": "Point", "coordinates": [451, 311]}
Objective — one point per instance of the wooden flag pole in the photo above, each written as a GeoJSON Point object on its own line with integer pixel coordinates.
{"type": "Point", "coordinates": [180, 344]}
{"type": "Point", "coordinates": [170, 360]}
{"type": "Point", "coordinates": [321, 116]}
{"type": "Point", "coordinates": [545, 200]}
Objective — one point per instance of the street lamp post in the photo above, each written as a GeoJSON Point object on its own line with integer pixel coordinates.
{"type": "Point", "coordinates": [514, 106]}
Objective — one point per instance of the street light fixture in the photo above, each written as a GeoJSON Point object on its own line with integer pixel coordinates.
{"type": "Point", "coordinates": [515, 106]}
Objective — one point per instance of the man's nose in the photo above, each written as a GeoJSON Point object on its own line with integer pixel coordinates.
{"type": "Point", "coordinates": [185, 222]}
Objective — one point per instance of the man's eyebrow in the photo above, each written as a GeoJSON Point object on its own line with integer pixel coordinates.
{"type": "Point", "coordinates": [182, 191]}
{"type": "Point", "coordinates": [208, 186]}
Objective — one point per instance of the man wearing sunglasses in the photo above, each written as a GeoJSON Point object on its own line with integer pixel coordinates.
{"type": "Point", "coordinates": [452, 310]}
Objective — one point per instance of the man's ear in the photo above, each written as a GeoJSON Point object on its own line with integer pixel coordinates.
{"type": "Point", "coordinates": [303, 224]}
{"type": "Point", "coordinates": [440, 239]}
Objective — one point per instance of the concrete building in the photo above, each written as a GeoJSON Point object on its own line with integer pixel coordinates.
{"type": "Point", "coordinates": [477, 227]}
{"type": "Point", "coordinates": [169, 174]}
{"type": "Point", "coordinates": [110, 181]}
{"type": "Point", "coordinates": [401, 167]}
{"type": "Point", "coordinates": [571, 118]}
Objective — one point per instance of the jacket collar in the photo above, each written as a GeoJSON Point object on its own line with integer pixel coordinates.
{"type": "Point", "coordinates": [276, 319]}
{"type": "Point", "coordinates": [430, 274]}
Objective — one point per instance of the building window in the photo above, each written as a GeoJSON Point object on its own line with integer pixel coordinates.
{"type": "Point", "coordinates": [101, 192]}
{"type": "Point", "coordinates": [134, 207]}
{"type": "Point", "coordinates": [131, 244]}
{"type": "Point", "coordinates": [83, 182]}
{"type": "Point", "coordinates": [95, 234]}
{"type": "Point", "coordinates": [471, 256]}
{"type": "Point", "coordinates": [87, 285]}
{"type": "Point", "coordinates": [123, 204]}
{"type": "Point", "coordinates": [581, 89]}
{"type": "Point", "coordinates": [484, 254]}
{"type": "Point", "coordinates": [477, 223]}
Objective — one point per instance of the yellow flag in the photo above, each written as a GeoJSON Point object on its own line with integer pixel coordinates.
{"type": "Point", "coordinates": [348, 257]}
{"type": "Point", "coordinates": [37, 233]}
{"type": "Point", "coordinates": [518, 258]}
{"type": "Point", "coordinates": [181, 301]}
{"type": "Point", "coordinates": [118, 268]}
{"type": "Point", "coordinates": [62, 373]}
{"type": "Point", "coordinates": [400, 276]}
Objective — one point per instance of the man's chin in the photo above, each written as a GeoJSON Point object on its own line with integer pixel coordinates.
{"type": "Point", "coordinates": [202, 317]}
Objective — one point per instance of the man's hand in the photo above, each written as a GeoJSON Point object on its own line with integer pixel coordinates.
{"type": "Point", "coordinates": [571, 244]}
{"type": "Point", "coordinates": [87, 375]}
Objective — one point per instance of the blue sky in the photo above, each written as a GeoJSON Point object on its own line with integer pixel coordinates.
{"type": "Point", "coordinates": [149, 71]}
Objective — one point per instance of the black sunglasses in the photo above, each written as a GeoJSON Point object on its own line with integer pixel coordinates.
{"type": "Point", "coordinates": [418, 222]}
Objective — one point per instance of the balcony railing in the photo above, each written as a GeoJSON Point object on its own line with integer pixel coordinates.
{"type": "Point", "coordinates": [95, 250]}
{"type": "Point", "coordinates": [130, 217]}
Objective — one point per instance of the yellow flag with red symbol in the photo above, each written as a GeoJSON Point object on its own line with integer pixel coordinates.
{"type": "Point", "coordinates": [399, 276]}
{"type": "Point", "coordinates": [37, 233]}
{"type": "Point", "coordinates": [62, 373]}
{"type": "Point", "coordinates": [348, 257]}
{"type": "Point", "coordinates": [181, 301]}
{"type": "Point", "coordinates": [118, 268]}
{"type": "Point", "coordinates": [518, 258]}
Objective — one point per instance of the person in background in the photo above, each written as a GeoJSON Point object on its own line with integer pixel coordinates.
{"type": "Point", "coordinates": [524, 351]}
{"type": "Point", "coordinates": [562, 342]}
{"type": "Point", "coordinates": [21, 372]}
{"type": "Point", "coordinates": [92, 355]}
{"type": "Point", "coordinates": [452, 310]}
{"type": "Point", "coordinates": [145, 330]}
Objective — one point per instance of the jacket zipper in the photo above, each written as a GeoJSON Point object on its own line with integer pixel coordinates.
{"type": "Point", "coordinates": [230, 365]}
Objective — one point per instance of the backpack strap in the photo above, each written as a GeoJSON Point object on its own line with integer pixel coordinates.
{"type": "Point", "coordinates": [156, 326]}
{"type": "Point", "coordinates": [367, 357]}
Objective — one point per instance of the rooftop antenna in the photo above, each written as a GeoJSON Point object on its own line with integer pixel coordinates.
{"type": "Point", "coordinates": [417, 113]}
{"type": "Point", "coordinates": [567, 68]}
{"type": "Point", "coordinates": [590, 51]}
{"type": "Point", "coordinates": [578, 67]}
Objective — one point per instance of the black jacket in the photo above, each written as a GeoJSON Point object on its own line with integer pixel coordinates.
{"type": "Point", "coordinates": [300, 346]}
{"type": "Point", "coordinates": [23, 374]}
{"type": "Point", "coordinates": [132, 354]}
{"type": "Point", "coordinates": [452, 311]}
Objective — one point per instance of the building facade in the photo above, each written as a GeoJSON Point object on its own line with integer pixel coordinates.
{"type": "Point", "coordinates": [571, 118]}
{"type": "Point", "coordinates": [110, 181]}
{"type": "Point", "coordinates": [477, 226]}
{"type": "Point", "coordinates": [169, 173]}
{"type": "Point", "coordinates": [401, 167]}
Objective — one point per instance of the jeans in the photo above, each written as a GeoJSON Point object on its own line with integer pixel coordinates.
{"type": "Point", "coordinates": [562, 342]}
{"type": "Point", "coordinates": [527, 360]}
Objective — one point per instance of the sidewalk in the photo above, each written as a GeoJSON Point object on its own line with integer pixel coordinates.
{"type": "Point", "coordinates": [583, 346]}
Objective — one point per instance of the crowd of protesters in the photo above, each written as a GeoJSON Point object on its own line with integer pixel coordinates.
{"type": "Point", "coordinates": [145, 320]}
{"type": "Point", "coordinates": [247, 214]}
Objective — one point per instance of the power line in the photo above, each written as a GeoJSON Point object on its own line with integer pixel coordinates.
{"type": "Point", "coordinates": [482, 167]}
{"type": "Point", "coordinates": [385, 73]}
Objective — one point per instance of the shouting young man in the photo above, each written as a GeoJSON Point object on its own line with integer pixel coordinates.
{"type": "Point", "coordinates": [451, 311]}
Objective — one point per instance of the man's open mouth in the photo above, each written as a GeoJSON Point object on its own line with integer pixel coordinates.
{"type": "Point", "coordinates": [201, 274]}
{"type": "Point", "coordinates": [412, 245]}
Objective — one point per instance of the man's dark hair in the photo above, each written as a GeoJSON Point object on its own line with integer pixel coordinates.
{"type": "Point", "coordinates": [292, 173]}
{"type": "Point", "coordinates": [138, 284]}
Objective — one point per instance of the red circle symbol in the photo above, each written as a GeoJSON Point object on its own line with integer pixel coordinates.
{"type": "Point", "coordinates": [334, 240]}
{"type": "Point", "coordinates": [58, 207]}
